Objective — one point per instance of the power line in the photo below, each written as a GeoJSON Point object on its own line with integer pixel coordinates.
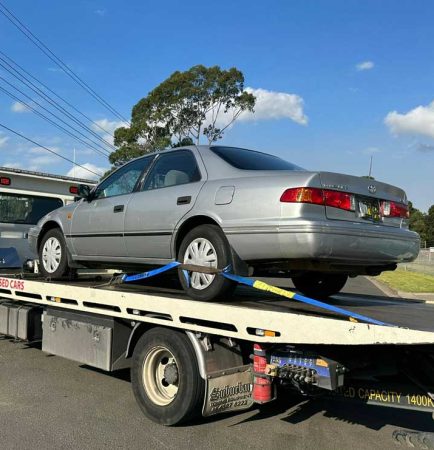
{"type": "Point", "coordinates": [38, 113]}
{"type": "Point", "coordinates": [54, 93]}
{"type": "Point", "coordinates": [36, 41]}
{"type": "Point", "coordinates": [48, 150]}
{"type": "Point", "coordinates": [53, 103]}
{"type": "Point", "coordinates": [104, 152]}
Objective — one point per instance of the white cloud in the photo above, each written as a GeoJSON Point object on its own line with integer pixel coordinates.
{"type": "Point", "coordinates": [418, 121]}
{"type": "Point", "coordinates": [107, 127]}
{"type": "Point", "coordinates": [270, 105]}
{"type": "Point", "coordinates": [275, 105]}
{"type": "Point", "coordinates": [42, 151]}
{"type": "Point", "coordinates": [365, 65]}
{"type": "Point", "coordinates": [19, 107]}
{"type": "Point", "coordinates": [80, 172]}
{"type": "Point", "coordinates": [3, 140]}
{"type": "Point", "coordinates": [43, 161]}
{"type": "Point", "coordinates": [100, 12]}
{"type": "Point", "coordinates": [41, 158]}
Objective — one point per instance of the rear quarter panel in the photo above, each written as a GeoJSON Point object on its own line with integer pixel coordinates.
{"type": "Point", "coordinates": [256, 209]}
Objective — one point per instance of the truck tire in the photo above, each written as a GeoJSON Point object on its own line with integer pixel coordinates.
{"type": "Point", "coordinates": [165, 377]}
{"type": "Point", "coordinates": [206, 245]}
{"type": "Point", "coordinates": [318, 284]}
{"type": "Point", "coordinates": [53, 256]}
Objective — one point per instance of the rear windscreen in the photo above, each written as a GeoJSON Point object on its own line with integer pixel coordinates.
{"type": "Point", "coordinates": [26, 209]}
{"type": "Point", "coordinates": [251, 160]}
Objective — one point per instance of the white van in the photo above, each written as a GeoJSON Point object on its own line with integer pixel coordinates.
{"type": "Point", "coordinates": [25, 197]}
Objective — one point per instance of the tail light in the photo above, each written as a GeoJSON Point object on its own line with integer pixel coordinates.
{"type": "Point", "coordinates": [393, 209]}
{"type": "Point", "coordinates": [73, 190]}
{"type": "Point", "coordinates": [336, 199]}
{"type": "Point", "coordinates": [5, 181]}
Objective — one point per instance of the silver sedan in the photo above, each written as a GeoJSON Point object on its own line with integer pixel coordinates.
{"type": "Point", "coordinates": [216, 206]}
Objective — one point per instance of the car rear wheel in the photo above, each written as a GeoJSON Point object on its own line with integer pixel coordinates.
{"type": "Point", "coordinates": [53, 258]}
{"type": "Point", "coordinates": [318, 284]}
{"type": "Point", "coordinates": [205, 245]}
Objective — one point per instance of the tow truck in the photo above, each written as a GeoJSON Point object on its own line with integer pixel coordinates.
{"type": "Point", "coordinates": [25, 197]}
{"type": "Point", "coordinates": [190, 358]}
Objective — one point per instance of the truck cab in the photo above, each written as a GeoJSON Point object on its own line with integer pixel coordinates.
{"type": "Point", "coordinates": [25, 197]}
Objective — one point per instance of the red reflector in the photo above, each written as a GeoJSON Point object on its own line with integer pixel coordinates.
{"type": "Point", "coordinates": [5, 181]}
{"type": "Point", "coordinates": [73, 190]}
{"type": "Point", "coordinates": [399, 210]}
{"type": "Point", "coordinates": [303, 195]}
{"type": "Point", "coordinates": [340, 200]}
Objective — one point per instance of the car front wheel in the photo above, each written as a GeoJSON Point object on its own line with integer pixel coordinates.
{"type": "Point", "coordinates": [205, 245]}
{"type": "Point", "coordinates": [319, 285]}
{"type": "Point", "coordinates": [53, 258]}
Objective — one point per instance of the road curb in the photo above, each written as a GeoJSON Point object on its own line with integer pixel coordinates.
{"type": "Point", "coordinates": [386, 290]}
{"type": "Point", "coordinates": [390, 292]}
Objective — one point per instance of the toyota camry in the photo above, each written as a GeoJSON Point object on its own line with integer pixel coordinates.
{"type": "Point", "coordinates": [215, 206]}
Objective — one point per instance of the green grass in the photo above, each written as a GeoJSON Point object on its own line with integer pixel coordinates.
{"type": "Point", "coordinates": [407, 281]}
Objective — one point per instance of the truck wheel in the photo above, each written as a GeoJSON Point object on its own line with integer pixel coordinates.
{"type": "Point", "coordinates": [53, 258]}
{"type": "Point", "coordinates": [165, 377]}
{"type": "Point", "coordinates": [206, 245]}
{"type": "Point", "coordinates": [319, 285]}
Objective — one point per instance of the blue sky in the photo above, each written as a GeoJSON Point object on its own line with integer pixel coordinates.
{"type": "Point", "coordinates": [359, 74]}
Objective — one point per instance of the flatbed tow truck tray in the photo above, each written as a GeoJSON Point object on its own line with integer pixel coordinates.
{"type": "Point", "coordinates": [221, 333]}
{"type": "Point", "coordinates": [238, 316]}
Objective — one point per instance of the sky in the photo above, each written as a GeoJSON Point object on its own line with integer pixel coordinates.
{"type": "Point", "coordinates": [336, 81]}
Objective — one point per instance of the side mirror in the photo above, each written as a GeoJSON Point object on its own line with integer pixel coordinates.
{"type": "Point", "coordinates": [84, 192]}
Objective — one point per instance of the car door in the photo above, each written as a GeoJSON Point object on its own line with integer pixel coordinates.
{"type": "Point", "coordinates": [98, 225]}
{"type": "Point", "coordinates": [169, 191]}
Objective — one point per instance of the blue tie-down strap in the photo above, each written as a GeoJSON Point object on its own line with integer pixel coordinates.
{"type": "Point", "coordinates": [151, 273]}
{"type": "Point", "coordinates": [257, 284]}
{"type": "Point", "coordinates": [353, 316]}
{"type": "Point", "coordinates": [9, 258]}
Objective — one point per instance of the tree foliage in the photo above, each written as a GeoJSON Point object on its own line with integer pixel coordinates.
{"type": "Point", "coordinates": [182, 109]}
{"type": "Point", "coordinates": [423, 224]}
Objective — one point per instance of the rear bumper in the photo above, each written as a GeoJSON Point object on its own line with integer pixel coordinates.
{"type": "Point", "coordinates": [334, 241]}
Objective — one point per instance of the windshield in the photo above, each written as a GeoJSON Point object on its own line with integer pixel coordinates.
{"type": "Point", "coordinates": [251, 160]}
{"type": "Point", "coordinates": [26, 209]}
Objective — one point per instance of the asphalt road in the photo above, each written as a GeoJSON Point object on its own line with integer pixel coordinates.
{"type": "Point", "coordinates": [47, 402]}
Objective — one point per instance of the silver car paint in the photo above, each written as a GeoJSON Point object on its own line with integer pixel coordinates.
{"type": "Point", "coordinates": [154, 236]}
{"type": "Point", "coordinates": [258, 226]}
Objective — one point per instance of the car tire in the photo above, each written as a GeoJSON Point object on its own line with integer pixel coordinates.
{"type": "Point", "coordinates": [53, 256]}
{"type": "Point", "coordinates": [167, 401]}
{"type": "Point", "coordinates": [202, 286]}
{"type": "Point", "coordinates": [318, 284]}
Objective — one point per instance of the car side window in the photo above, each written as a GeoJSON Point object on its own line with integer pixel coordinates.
{"type": "Point", "coordinates": [172, 169]}
{"type": "Point", "coordinates": [123, 180]}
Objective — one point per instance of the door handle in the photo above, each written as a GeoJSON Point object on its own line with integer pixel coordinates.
{"type": "Point", "coordinates": [183, 200]}
{"type": "Point", "coordinates": [118, 208]}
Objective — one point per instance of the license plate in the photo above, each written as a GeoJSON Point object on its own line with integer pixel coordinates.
{"type": "Point", "coordinates": [369, 209]}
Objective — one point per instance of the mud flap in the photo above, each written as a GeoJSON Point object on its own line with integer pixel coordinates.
{"type": "Point", "coordinates": [228, 390]}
